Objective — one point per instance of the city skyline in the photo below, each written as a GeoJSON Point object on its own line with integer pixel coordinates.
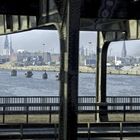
{"type": "Point", "coordinates": [48, 41]}
{"type": "Point", "coordinates": [132, 48]}
{"type": "Point", "coordinates": [43, 41]}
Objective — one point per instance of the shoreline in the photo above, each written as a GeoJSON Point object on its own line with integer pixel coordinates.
{"type": "Point", "coordinates": [82, 69]}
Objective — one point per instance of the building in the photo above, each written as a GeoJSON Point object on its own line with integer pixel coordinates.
{"type": "Point", "coordinates": [7, 50]}
{"type": "Point", "coordinates": [55, 59]}
{"type": "Point", "coordinates": [124, 52]}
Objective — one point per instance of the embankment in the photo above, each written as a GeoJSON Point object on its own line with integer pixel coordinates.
{"type": "Point", "coordinates": [82, 69]}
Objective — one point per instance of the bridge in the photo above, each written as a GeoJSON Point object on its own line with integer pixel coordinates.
{"type": "Point", "coordinates": [113, 20]}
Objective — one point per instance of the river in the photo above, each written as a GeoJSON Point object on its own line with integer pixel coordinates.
{"type": "Point", "coordinates": [117, 85]}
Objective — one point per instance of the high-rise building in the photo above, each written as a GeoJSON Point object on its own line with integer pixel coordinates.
{"type": "Point", "coordinates": [124, 52]}
{"type": "Point", "coordinates": [82, 51]}
{"type": "Point", "coordinates": [11, 51]}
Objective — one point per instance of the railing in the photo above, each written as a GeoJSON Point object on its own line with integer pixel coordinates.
{"type": "Point", "coordinates": [81, 99]}
{"type": "Point", "coordinates": [53, 108]}
{"type": "Point", "coordinates": [55, 99]}
{"type": "Point", "coordinates": [109, 130]}
{"type": "Point", "coordinates": [84, 130]}
{"type": "Point", "coordinates": [50, 105]}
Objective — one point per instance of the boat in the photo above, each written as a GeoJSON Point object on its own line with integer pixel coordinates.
{"type": "Point", "coordinates": [14, 72]}
{"type": "Point", "coordinates": [29, 74]}
{"type": "Point", "coordinates": [57, 76]}
{"type": "Point", "coordinates": [45, 76]}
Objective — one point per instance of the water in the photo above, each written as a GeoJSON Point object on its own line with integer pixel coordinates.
{"type": "Point", "coordinates": [117, 85]}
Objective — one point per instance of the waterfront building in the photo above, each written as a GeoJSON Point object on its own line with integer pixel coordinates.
{"type": "Point", "coordinates": [90, 62]}
{"type": "Point", "coordinates": [22, 56]}
{"type": "Point", "coordinates": [117, 61]}
{"type": "Point", "coordinates": [55, 59]}
{"type": "Point", "coordinates": [47, 57]}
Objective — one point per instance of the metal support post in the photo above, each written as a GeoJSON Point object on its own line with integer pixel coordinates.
{"type": "Point", "coordinates": [101, 80]}
{"type": "Point", "coordinates": [69, 72]}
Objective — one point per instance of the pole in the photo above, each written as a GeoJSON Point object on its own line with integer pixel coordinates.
{"type": "Point", "coordinates": [69, 71]}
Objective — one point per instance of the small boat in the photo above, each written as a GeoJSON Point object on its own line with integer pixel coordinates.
{"type": "Point", "coordinates": [57, 76]}
{"type": "Point", "coordinates": [29, 74]}
{"type": "Point", "coordinates": [45, 76]}
{"type": "Point", "coordinates": [14, 72]}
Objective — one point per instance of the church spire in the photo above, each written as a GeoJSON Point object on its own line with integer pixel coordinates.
{"type": "Point", "coordinates": [6, 46]}
{"type": "Point", "coordinates": [6, 43]}
{"type": "Point", "coordinates": [7, 50]}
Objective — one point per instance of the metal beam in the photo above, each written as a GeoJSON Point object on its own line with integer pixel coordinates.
{"type": "Point", "coordinates": [16, 7]}
{"type": "Point", "coordinates": [101, 79]}
{"type": "Point", "coordinates": [69, 84]}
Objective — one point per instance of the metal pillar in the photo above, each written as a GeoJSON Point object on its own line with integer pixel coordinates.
{"type": "Point", "coordinates": [97, 71]}
{"type": "Point", "coordinates": [101, 80]}
{"type": "Point", "coordinates": [69, 72]}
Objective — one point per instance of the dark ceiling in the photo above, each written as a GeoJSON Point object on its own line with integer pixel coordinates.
{"type": "Point", "coordinates": [115, 9]}
{"type": "Point", "coordinates": [124, 9]}
{"type": "Point", "coordinates": [112, 9]}
{"type": "Point", "coordinates": [19, 7]}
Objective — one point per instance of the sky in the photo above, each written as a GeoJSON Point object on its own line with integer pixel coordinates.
{"type": "Point", "coordinates": [44, 40]}
{"type": "Point", "coordinates": [34, 41]}
{"type": "Point", "coordinates": [48, 41]}
{"type": "Point", "coordinates": [132, 47]}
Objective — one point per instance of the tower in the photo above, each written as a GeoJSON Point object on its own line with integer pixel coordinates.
{"type": "Point", "coordinates": [6, 46]}
{"type": "Point", "coordinates": [7, 50]}
{"type": "Point", "coordinates": [124, 52]}
{"type": "Point", "coordinates": [11, 51]}
{"type": "Point", "coordinates": [82, 51]}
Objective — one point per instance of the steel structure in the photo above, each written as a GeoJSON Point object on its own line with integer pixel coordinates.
{"type": "Point", "coordinates": [114, 19]}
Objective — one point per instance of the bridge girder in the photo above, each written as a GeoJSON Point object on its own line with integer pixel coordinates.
{"type": "Point", "coordinates": [108, 16]}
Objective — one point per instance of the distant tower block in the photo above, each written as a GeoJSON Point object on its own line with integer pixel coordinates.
{"type": "Point", "coordinates": [11, 51]}
{"type": "Point", "coordinates": [124, 52]}
{"type": "Point", "coordinates": [82, 51]}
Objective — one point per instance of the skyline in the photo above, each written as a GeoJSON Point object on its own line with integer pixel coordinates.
{"type": "Point", "coordinates": [132, 48]}
{"type": "Point", "coordinates": [48, 41]}
{"type": "Point", "coordinates": [39, 40]}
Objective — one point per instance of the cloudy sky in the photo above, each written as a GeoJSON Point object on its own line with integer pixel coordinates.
{"type": "Point", "coordinates": [132, 47]}
{"type": "Point", "coordinates": [46, 40]}
{"type": "Point", "coordinates": [34, 41]}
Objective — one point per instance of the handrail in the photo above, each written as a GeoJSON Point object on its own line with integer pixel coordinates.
{"type": "Point", "coordinates": [53, 108]}
{"type": "Point", "coordinates": [85, 130]}
{"type": "Point", "coordinates": [49, 105]}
